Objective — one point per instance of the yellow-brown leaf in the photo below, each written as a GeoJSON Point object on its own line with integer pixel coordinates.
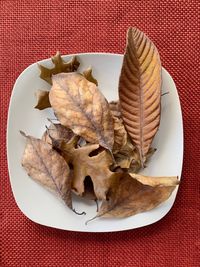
{"type": "Point", "coordinates": [156, 181]}
{"type": "Point", "coordinates": [88, 75]}
{"type": "Point", "coordinates": [129, 197]}
{"type": "Point", "coordinates": [80, 106]}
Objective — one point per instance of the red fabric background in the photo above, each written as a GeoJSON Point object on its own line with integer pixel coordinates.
{"type": "Point", "coordinates": [34, 30]}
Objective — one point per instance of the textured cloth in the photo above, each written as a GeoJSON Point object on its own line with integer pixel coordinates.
{"type": "Point", "coordinates": [34, 30]}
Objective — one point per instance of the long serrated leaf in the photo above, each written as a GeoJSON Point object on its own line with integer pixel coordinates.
{"type": "Point", "coordinates": [140, 90]}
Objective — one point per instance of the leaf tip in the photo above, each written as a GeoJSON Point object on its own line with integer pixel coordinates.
{"type": "Point", "coordinates": [23, 133]}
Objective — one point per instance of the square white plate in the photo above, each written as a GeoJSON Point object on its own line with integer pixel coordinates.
{"type": "Point", "coordinates": [43, 207]}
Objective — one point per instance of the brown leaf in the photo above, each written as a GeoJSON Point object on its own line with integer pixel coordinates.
{"type": "Point", "coordinates": [155, 181]}
{"type": "Point", "coordinates": [129, 197]}
{"type": "Point", "coordinates": [88, 75]}
{"type": "Point", "coordinates": [127, 154]}
{"type": "Point", "coordinates": [47, 167]}
{"type": "Point", "coordinates": [120, 135]}
{"type": "Point", "coordinates": [97, 167]}
{"type": "Point", "coordinates": [56, 132]}
{"type": "Point", "coordinates": [86, 163]}
{"type": "Point", "coordinates": [115, 109]}
{"type": "Point", "coordinates": [42, 99]}
{"type": "Point", "coordinates": [89, 189]}
{"type": "Point", "coordinates": [140, 90]}
{"type": "Point", "coordinates": [80, 106]}
{"type": "Point", "coordinates": [128, 157]}
{"type": "Point", "coordinates": [59, 66]}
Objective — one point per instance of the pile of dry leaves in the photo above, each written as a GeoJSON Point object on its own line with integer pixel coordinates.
{"type": "Point", "coordinates": [96, 148]}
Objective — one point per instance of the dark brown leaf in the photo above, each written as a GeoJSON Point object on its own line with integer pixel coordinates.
{"type": "Point", "coordinates": [59, 66]}
{"type": "Point", "coordinates": [140, 90]}
{"type": "Point", "coordinates": [42, 99]}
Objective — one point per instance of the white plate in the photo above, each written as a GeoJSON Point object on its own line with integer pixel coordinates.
{"type": "Point", "coordinates": [43, 207]}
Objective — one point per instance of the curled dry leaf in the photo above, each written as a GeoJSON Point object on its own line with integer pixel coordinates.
{"type": "Point", "coordinates": [156, 181]}
{"type": "Point", "coordinates": [47, 167]}
{"type": "Point", "coordinates": [80, 106]}
{"type": "Point", "coordinates": [59, 66]}
{"type": "Point", "coordinates": [129, 197]}
{"type": "Point", "coordinates": [120, 133]}
{"type": "Point", "coordinates": [140, 90]}
{"type": "Point", "coordinates": [126, 155]}
{"type": "Point", "coordinates": [88, 75]}
{"type": "Point", "coordinates": [42, 99]}
{"type": "Point", "coordinates": [115, 109]}
{"type": "Point", "coordinates": [56, 132]}
{"type": "Point", "coordinates": [84, 165]}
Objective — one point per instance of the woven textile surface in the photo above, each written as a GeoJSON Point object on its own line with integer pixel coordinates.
{"type": "Point", "coordinates": [34, 30]}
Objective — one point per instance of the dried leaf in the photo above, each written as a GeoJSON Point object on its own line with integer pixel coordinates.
{"type": "Point", "coordinates": [88, 75]}
{"type": "Point", "coordinates": [47, 167]}
{"type": "Point", "coordinates": [126, 155]}
{"type": "Point", "coordinates": [42, 99]}
{"type": "Point", "coordinates": [120, 133]}
{"type": "Point", "coordinates": [115, 109]}
{"type": "Point", "coordinates": [129, 197]}
{"type": "Point", "coordinates": [59, 66]}
{"type": "Point", "coordinates": [89, 189]}
{"type": "Point", "coordinates": [84, 165]}
{"type": "Point", "coordinates": [140, 90]}
{"type": "Point", "coordinates": [56, 132]}
{"type": "Point", "coordinates": [156, 181]}
{"type": "Point", "coordinates": [80, 106]}
{"type": "Point", "coordinates": [97, 167]}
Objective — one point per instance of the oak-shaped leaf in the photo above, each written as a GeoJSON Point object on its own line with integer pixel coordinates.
{"type": "Point", "coordinates": [88, 75]}
{"type": "Point", "coordinates": [42, 99]}
{"type": "Point", "coordinates": [140, 90]}
{"type": "Point", "coordinates": [59, 66]}
{"type": "Point", "coordinates": [129, 197]}
{"type": "Point", "coordinates": [85, 164]}
{"type": "Point", "coordinates": [80, 106]}
{"type": "Point", "coordinates": [49, 168]}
